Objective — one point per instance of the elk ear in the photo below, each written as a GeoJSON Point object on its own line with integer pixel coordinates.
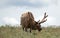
{"type": "Point", "coordinates": [36, 22]}
{"type": "Point", "coordinates": [39, 23]}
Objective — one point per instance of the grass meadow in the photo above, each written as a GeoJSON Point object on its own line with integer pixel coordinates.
{"type": "Point", "coordinates": [17, 32]}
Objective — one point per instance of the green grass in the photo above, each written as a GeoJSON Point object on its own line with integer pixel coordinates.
{"type": "Point", "coordinates": [17, 32]}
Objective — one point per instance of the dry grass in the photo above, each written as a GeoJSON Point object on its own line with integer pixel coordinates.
{"type": "Point", "coordinates": [17, 32]}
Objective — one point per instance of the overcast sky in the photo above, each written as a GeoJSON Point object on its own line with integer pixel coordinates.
{"type": "Point", "coordinates": [11, 10]}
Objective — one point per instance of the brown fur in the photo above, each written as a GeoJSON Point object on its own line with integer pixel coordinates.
{"type": "Point", "coordinates": [27, 21]}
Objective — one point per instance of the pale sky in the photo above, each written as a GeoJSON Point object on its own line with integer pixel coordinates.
{"type": "Point", "coordinates": [11, 10]}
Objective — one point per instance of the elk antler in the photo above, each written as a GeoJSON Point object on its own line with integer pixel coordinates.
{"type": "Point", "coordinates": [43, 20]}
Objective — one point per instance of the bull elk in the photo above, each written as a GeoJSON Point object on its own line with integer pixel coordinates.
{"type": "Point", "coordinates": [27, 21]}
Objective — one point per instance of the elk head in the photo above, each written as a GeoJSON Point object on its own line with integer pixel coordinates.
{"type": "Point", "coordinates": [38, 24]}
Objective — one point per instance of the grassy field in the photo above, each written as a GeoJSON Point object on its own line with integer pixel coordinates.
{"type": "Point", "coordinates": [17, 32]}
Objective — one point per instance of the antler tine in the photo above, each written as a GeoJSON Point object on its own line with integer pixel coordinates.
{"type": "Point", "coordinates": [38, 21]}
{"type": "Point", "coordinates": [45, 15]}
{"type": "Point", "coordinates": [44, 20]}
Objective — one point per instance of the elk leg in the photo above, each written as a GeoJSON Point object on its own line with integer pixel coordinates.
{"type": "Point", "coordinates": [23, 28]}
{"type": "Point", "coordinates": [30, 30]}
{"type": "Point", "coordinates": [26, 29]}
{"type": "Point", "coordinates": [40, 29]}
